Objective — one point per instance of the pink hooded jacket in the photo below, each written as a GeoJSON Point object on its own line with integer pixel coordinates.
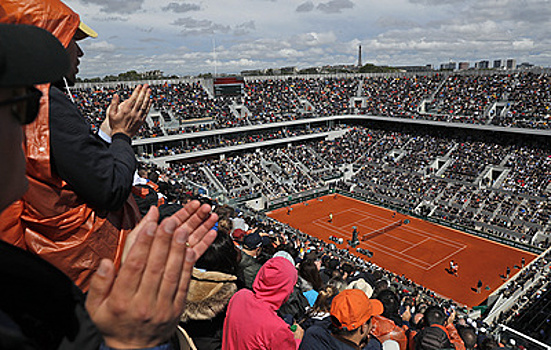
{"type": "Point", "coordinates": [251, 320]}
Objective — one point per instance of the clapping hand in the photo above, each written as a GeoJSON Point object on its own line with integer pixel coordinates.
{"type": "Point", "coordinates": [141, 306]}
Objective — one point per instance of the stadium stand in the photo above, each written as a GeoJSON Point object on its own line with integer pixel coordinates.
{"type": "Point", "coordinates": [494, 184]}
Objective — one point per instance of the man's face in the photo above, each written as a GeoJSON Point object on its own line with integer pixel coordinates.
{"type": "Point", "coordinates": [318, 264]}
{"type": "Point", "coordinates": [75, 53]}
{"type": "Point", "coordinates": [12, 176]}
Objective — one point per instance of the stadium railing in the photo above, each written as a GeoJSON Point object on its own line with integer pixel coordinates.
{"type": "Point", "coordinates": [505, 334]}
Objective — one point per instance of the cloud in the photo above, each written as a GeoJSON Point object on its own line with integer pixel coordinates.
{"type": "Point", "coordinates": [101, 46]}
{"type": "Point", "coordinates": [181, 7]}
{"type": "Point", "coordinates": [307, 6]}
{"type": "Point", "coordinates": [117, 6]}
{"type": "Point", "coordinates": [464, 30]}
{"type": "Point", "coordinates": [523, 44]}
{"type": "Point", "coordinates": [145, 29]}
{"type": "Point", "coordinates": [244, 28]}
{"type": "Point", "coordinates": [436, 2]}
{"type": "Point", "coordinates": [335, 6]}
{"type": "Point", "coordinates": [527, 11]}
{"type": "Point", "coordinates": [394, 22]}
{"type": "Point", "coordinates": [151, 40]}
{"type": "Point", "coordinates": [193, 26]}
{"type": "Point", "coordinates": [313, 39]}
{"type": "Point", "coordinates": [103, 18]}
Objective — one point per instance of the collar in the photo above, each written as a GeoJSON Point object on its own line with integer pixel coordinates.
{"type": "Point", "coordinates": [347, 342]}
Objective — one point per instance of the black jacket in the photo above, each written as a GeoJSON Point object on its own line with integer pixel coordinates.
{"type": "Point", "coordinates": [40, 307]}
{"type": "Point", "coordinates": [99, 172]}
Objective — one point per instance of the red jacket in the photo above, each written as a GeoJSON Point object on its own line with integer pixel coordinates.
{"type": "Point", "coordinates": [385, 329]}
{"type": "Point", "coordinates": [251, 320]}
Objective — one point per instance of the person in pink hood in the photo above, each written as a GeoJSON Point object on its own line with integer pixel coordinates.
{"type": "Point", "coordinates": [251, 320]}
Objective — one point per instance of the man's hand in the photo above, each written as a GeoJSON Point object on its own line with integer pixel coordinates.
{"type": "Point", "coordinates": [105, 127]}
{"type": "Point", "coordinates": [451, 318]}
{"type": "Point", "coordinates": [406, 316]}
{"type": "Point", "coordinates": [141, 306]}
{"type": "Point", "coordinates": [127, 117]}
{"type": "Point", "coordinates": [299, 332]}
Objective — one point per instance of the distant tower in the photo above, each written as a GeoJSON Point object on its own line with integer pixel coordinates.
{"type": "Point", "coordinates": [359, 55]}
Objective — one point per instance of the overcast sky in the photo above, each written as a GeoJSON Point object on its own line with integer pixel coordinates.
{"type": "Point", "coordinates": [179, 36]}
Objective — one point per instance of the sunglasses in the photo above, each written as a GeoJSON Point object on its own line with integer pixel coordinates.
{"type": "Point", "coordinates": [24, 107]}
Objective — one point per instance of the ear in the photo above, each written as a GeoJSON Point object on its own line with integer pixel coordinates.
{"type": "Point", "coordinates": [368, 326]}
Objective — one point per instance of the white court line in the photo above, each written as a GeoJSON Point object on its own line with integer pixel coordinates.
{"type": "Point", "coordinates": [416, 231]}
{"type": "Point", "coordinates": [447, 257]}
{"type": "Point", "coordinates": [331, 228]}
{"type": "Point", "coordinates": [354, 222]}
{"type": "Point", "coordinates": [397, 254]}
{"type": "Point", "coordinates": [416, 245]}
{"type": "Point", "coordinates": [411, 230]}
{"type": "Point", "coordinates": [383, 249]}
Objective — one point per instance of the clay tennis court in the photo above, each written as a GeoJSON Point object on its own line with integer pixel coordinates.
{"type": "Point", "coordinates": [419, 249]}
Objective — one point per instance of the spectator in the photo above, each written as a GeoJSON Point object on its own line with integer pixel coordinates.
{"type": "Point", "coordinates": [468, 335]}
{"type": "Point", "coordinates": [319, 313]}
{"type": "Point", "coordinates": [296, 305]}
{"type": "Point", "coordinates": [328, 268]}
{"type": "Point", "coordinates": [249, 266]}
{"type": "Point", "coordinates": [251, 321]}
{"type": "Point", "coordinates": [438, 332]}
{"type": "Point", "coordinates": [213, 283]}
{"type": "Point", "coordinates": [77, 198]}
{"type": "Point", "coordinates": [351, 313]}
{"type": "Point", "coordinates": [389, 325]}
{"type": "Point", "coordinates": [41, 308]}
{"type": "Point", "coordinates": [309, 280]}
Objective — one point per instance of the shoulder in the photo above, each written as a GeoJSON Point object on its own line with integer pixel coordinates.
{"type": "Point", "coordinates": [57, 96]}
{"type": "Point", "coordinates": [317, 337]}
{"type": "Point", "coordinates": [43, 301]}
{"type": "Point", "coordinates": [61, 105]}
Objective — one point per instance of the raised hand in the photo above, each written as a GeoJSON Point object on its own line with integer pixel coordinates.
{"type": "Point", "coordinates": [141, 306]}
{"type": "Point", "coordinates": [127, 117]}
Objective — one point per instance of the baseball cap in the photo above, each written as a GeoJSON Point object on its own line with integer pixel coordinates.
{"type": "Point", "coordinates": [237, 235]}
{"type": "Point", "coordinates": [362, 285]}
{"type": "Point", "coordinates": [252, 241]}
{"type": "Point", "coordinates": [30, 55]}
{"type": "Point", "coordinates": [351, 309]}
{"type": "Point", "coordinates": [85, 31]}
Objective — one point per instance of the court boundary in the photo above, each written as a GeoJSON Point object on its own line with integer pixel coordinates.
{"type": "Point", "coordinates": [401, 255]}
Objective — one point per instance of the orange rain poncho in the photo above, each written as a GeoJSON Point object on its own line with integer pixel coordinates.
{"type": "Point", "coordinates": [51, 220]}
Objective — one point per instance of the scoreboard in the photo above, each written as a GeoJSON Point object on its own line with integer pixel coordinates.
{"type": "Point", "coordinates": [230, 86]}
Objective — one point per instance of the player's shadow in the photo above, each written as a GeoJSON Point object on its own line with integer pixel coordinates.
{"type": "Point", "coordinates": [448, 270]}
{"type": "Point", "coordinates": [503, 276]}
{"type": "Point", "coordinates": [473, 289]}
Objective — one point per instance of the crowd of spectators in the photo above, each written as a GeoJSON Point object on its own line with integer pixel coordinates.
{"type": "Point", "coordinates": [486, 186]}
{"type": "Point", "coordinates": [325, 271]}
{"type": "Point", "coordinates": [188, 107]}
{"type": "Point", "coordinates": [466, 98]}
{"type": "Point", "coordinates": [529, 102]}
{"type": "Point", "coordinates": [398, 97]}
{"type": "Point", "coordinates": [230, 139]}
{"type": "Point", "coordinates": [529, 293]}
{"type": "Point", "coordinates": [450, 179]}
{"type": "Point", "coordinates": [231, 277]}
